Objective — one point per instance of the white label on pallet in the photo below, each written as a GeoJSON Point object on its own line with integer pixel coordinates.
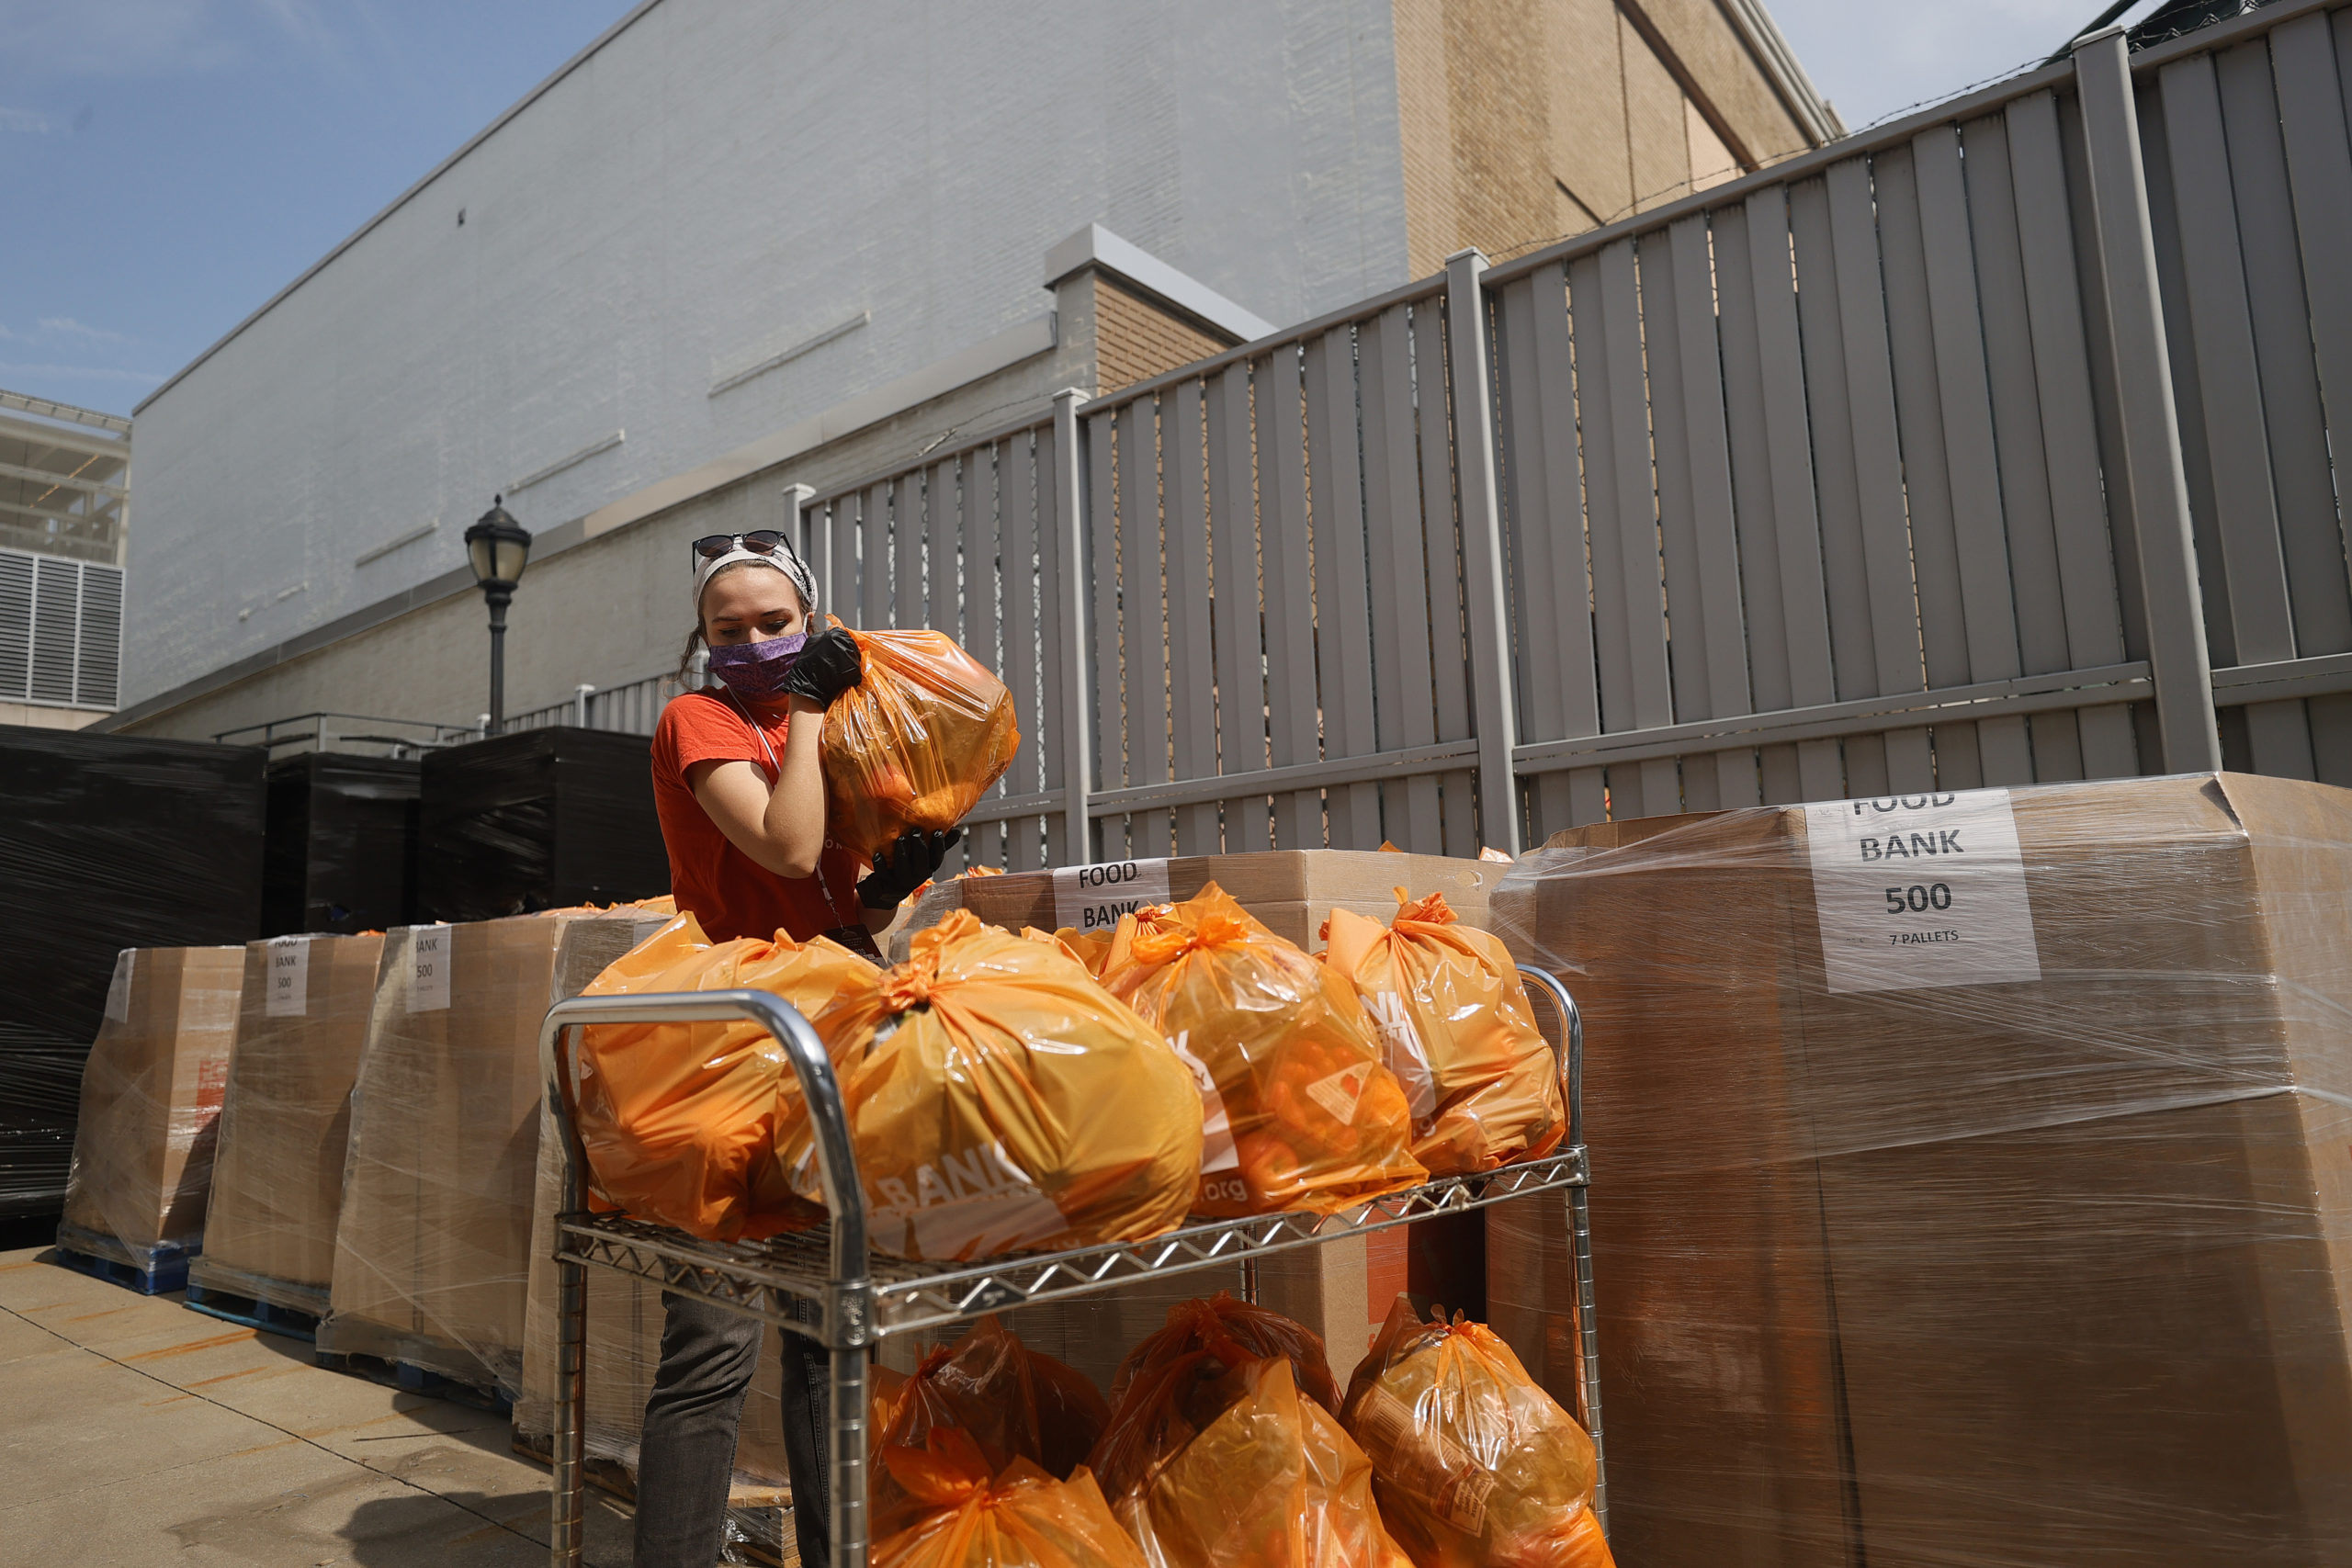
{"type": "Point", "coordinates": [1918, 891]}
{"type": "Point", "coordinates": [1092, 897]}
{"type": "Point", "coordinates": [290, 976]}
{"type": "Point", "coordinates": [428, 969]}
{"type": "Point", "coordinates": [119, 988]}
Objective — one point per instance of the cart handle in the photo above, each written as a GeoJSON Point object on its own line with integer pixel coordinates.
{"type": "Point", "coordinates": [820, 1092]}
{"type": "Point", "coordinates": [1572, 1060]}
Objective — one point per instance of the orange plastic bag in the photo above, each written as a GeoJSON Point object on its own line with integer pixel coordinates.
{"type": "Point", "coordinates": [1013, 1401]}
{"type": "Point", "coordinates": [1001, 1102]}
{"type": "Point", "coordinates": [1457, 1031]}
{"type": "Point", "coordinates": [1089, 948]}
{"type": "Point", "coordinates": [1240, 1331]}
{"type": "Point", "coordinates": [1301, 1112]}
{"type": "Point", "coordinates": [915, 743]}
{"type": "Point", "coordinates": [680, 1119]}
{"type": "Point", "coordinates": [1478, 1466]}
{"type": "Point", "coordinates": [1211, 1464]}
{"type": "Point", "coordinates": [1022, 1518]}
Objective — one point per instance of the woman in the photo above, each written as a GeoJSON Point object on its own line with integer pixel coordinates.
{"type": "Point", "coordinates": [741, 797]}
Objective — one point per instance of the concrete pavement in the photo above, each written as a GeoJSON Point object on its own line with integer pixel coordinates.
{"type": "Point", "coordinates": [134, 1432]}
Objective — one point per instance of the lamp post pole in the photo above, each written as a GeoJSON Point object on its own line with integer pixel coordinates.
{"type": "Point", "coordinates": [497, 547]}
{"type": "Point", "coordinates": [498, 599]}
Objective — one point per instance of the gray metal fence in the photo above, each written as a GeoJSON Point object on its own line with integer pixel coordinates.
{"type": "Point", "coordinates": [1990, 447]}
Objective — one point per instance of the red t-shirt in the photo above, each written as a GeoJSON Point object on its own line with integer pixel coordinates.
{"type": "Point", "coordinates": [728, 892]}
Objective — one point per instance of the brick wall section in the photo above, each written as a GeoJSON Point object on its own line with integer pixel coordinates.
{"type": "Point", "coordinates": [1526, 120]}
{"type": "Point", "coordinates": [1136, 339]}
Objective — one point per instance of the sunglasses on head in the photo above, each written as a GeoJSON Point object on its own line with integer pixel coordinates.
{"type": "Point", "coordinates": [759, 541]}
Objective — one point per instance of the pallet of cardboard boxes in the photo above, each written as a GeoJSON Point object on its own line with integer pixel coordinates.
{"type": "Point", "coordinates": [1972, 1174]}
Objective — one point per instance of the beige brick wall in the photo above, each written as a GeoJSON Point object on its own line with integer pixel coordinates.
{"type": "Point", "coordinates": [1136, 339]}
{"type": "Point", "coordinates": [1526, 120]}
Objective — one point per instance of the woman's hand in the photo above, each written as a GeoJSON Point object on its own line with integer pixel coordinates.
{"type": "Point", "coordinates": [905, 867]}
{"type": "Point", "coordinates": [829, 665]}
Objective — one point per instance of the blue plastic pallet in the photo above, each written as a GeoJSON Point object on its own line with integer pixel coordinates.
{"type": "Point", "coordinates": [267, 1316]}
{"type": "Point", "coordinates": [413, 1379]}
{"type": "Point", "coordinates": [167, 1273]}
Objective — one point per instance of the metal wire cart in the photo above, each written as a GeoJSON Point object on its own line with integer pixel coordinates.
{"type": "Point", "coordinates": [826, 1283]}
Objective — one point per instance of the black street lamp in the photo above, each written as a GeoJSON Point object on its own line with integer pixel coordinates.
{"type": "Point", "coordinates": [498, 548]}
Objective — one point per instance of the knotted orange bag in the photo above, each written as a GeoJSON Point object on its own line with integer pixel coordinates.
{"type": "Point", "coordinates": [915, 743]}
{"type": "Point", "coordinates": [1001, 1102]}
{"type": "Point", "coordinates": [1251, 1331]}
{"type": "Point", "coordinates": [1218, 1464]}
{"type": "Point", "coordinates": [1089, 948]}
{"type": "Point", "coordinates": [1013, 1401]}
{"type": "Point", "coordinates": [1301, 1112]}
{"type": "Point", "coordinates": [1456, 1030]}
{"type": "Point", "coordinates": [1478, 1466]}
{"type": "Point", "coordinates": [1022, 1518]}
{"type": "Point", "coordinates": [680, 1119]}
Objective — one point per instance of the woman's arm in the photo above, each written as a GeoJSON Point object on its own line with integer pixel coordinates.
{"type": "Point", "coordinates": [781, 829]}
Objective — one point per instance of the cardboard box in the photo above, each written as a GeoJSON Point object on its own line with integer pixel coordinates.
{"type": "Point", "coordinates": [625, 1318]}
{"type": "Point", "coordinates": [151, 1099]}
{"type": "Point", "coordinates": [2020, 1233]}
{"type": "Point", "coordinates": [1291, 891]}
{"type": "Point", "coordinates": [285, 1121]}
{"type": "Point", "coordinates": [433, 1246]}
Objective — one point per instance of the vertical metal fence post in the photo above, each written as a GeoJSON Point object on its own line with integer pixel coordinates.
{"type": "Point", "coordinates": [1491, 701]}
{"type": "Point", "coordinates": [817, 551]}
{"type": "Point", "coordinates": [1070, 457]}
{"type": "Point", "coordinates": [2177, 655]}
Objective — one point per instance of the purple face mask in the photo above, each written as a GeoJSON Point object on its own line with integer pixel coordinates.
{"type": "Point", "coordinates": [757, 669]}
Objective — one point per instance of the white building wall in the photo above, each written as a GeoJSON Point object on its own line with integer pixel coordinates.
{"type": "Point", "coordinates": [714, 183]}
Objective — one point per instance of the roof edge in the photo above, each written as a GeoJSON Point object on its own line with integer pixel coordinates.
{"type": "Point", "coordinates": [1096, 246]}
{"type": "Point", "coordinates": [443, 167]}
{"type": "Point", "coordinates": [1814, 114]}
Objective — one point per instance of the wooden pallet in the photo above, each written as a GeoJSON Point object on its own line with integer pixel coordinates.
{"type": "Point", "coordinates": [267, 1316]}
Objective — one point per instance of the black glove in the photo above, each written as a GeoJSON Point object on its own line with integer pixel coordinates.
{"type": "Point", "coordinates": [829, 665]}
{"type": "Point", "coordinates": [905, 867]}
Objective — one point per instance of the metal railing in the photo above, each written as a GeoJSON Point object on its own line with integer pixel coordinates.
{"type": "Point", "coordinates": [349, 731]}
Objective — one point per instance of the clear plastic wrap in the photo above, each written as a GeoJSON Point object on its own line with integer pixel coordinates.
{"type": "Point", "coordinates": [2011, 1228]}
{"type": "Point", "coordinates": [285, 1121]}
{"type": "Point", "coordinates": [106, 843]}
{"type": "Point", "coordinates": [151, 1104]}
{"type": "Point", "coordinates": [916, 742]}
{"type": "Point", "coordinates": [679, 1121]}
{"type": "Point", "coordinates": [1000, 1101]}
{"type": "Point", "coordinates": [1302, 1113]}
{"type": "Point", "coordinates": [1457, 1031]}
{"type": "Point", "coordinates": [432, 1243]}
{"type": "Point", "coordinates": [1474, 1466]}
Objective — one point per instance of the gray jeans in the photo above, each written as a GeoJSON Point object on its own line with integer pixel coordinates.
{"type": "Point", "coordinates": [686, 1454]}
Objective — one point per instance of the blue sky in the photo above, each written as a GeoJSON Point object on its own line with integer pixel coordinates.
{"type": "Point", "coordinates": [166, 165]}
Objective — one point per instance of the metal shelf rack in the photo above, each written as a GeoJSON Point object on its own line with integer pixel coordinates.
{"type": "Point", "coordinates": [827, 1283]}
